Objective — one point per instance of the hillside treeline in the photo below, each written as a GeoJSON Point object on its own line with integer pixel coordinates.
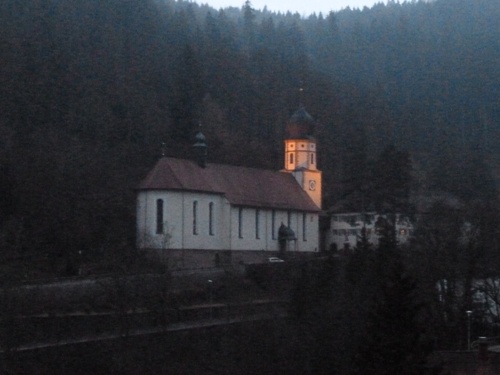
{"type": "Point", "coordinates": [90, 90]}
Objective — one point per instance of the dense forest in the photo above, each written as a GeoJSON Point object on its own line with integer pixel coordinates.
{"type": "Point", "coordinates": [89, 91]}
{"type": "Point", "coordinates": [406, 101]}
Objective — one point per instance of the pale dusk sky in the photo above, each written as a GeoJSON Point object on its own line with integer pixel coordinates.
{"type": "Point", "coordinates": [304, 8]}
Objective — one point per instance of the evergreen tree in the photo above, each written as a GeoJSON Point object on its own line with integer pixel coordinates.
{"type": "Point", "coordinates": [395, 341]}
{"type": "Point", "coordinates": [392, 181]}
{"type": "Point", "coordinates": [394, 338]}
{"type": "Point", "coordinates": [249, 28]}
{"type": "Point", "coordinates": [187, 96]}
{"type": "Point", "coordinates": [7, 193]}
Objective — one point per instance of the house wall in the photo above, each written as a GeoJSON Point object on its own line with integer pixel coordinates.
{"type": "Point", "coordinates": [345, 229]}
{"type": "Point", "coordinates": [179, 223]}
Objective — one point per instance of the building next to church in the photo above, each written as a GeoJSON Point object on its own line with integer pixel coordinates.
{"type": "Point", "coordinates": [345, 229]}
{"type": "Point", "coordinates": [192, 212]}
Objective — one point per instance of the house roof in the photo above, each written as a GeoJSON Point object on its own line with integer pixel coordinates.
{"type": "Point", "coordinates": [242, 186]}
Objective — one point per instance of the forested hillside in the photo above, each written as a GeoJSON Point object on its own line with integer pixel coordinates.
{"type": "Point", "coordinates": [89, 90]}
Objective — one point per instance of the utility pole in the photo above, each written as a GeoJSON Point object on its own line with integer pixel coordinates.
{"type": "Point", "coordinates": [468, 329]}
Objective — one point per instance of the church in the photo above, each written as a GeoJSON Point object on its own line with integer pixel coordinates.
{"type": "Point", "coordinates": [192, 213]}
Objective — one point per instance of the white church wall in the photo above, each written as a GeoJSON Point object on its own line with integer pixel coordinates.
{"type": "Point", "coordinates": [306, 229]}
{"type": "Point", "coordinates": [268, 232]}
{"type": "Point", "coordinates": [222, 232]}
{"type": "Point", "coordinates": [201, 232]}
{"type": "Point", "coordinates": [243, 229]}
{"type": "Point", "coordinates": [309, 242]}
{"type": "Point", "coordinates": [181, 230]}
{"type": "Point", "coordinates": [146, 219]}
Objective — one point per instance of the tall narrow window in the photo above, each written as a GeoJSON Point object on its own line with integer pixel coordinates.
{"type": "Point", "coordinates": [159, 216]}
{"type": "Point", "coordinates": [291, 158]}
{"type": "Point", "coordinates": [257, 223]}
{"type": "Point", "coordinates": [304, 226]}
{"type": "Point", "coordinates": [195, 217]}
{"type": "Point", "coordinates": [273, 224]}
{"type": "Point", "coordinates": [312, 157]}
{"type": "Point", "coordinates": [211, 218]}
{"type": "Point", "coordinates": [240, 222]}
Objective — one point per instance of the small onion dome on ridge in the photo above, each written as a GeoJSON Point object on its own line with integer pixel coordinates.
{"type": "Point", "coordinates": [200, 140]}
{"type": "Point", "coordinates": [200, 149]}
{"type": "Point", "coordinates": [300, 125]}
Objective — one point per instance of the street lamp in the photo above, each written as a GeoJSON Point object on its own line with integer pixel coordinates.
{"type": "Point", "coordinates": [468, 329]}
{"type": "Point", "coordinates": [211, 297]}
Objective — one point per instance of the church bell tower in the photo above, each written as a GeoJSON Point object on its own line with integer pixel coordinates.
{"type": "Point", "coordinates": [300, 154]}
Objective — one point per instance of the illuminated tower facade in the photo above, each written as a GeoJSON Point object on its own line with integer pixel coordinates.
{"type": "Point", "coordinates": [300, 154]}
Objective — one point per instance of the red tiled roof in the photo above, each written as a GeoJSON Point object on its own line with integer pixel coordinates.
{"type": "Point", "coordinates": [241, 186]}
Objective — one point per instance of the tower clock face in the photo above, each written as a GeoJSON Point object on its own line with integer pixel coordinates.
{"type": "Point", "coordinates": [312, 185]}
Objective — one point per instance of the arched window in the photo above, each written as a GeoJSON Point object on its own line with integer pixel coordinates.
{"type": "Point", "coordinates": [240, 222]}
{"type": "Point", "coordinates": [195, 217]}
{"type": "Point", "coordinates": [273, 224]}
{"type": "Point", "coordinates": [257, 223]}
{"type": "Point", "coordinates": [211, 218]}
{"type": "Point", "coordinates": [159, 216]}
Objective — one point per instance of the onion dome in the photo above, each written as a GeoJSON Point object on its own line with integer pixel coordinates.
{"type": "Point", "coordinates": [200, 147]}
{"type": "Point", "coordinates": [300, 125]}
{"type": "Point", "coordinates": [200, 140]}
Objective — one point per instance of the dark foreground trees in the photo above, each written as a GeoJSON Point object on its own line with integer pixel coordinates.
{"type": "Point", "coordinates": [454, 252]}
{"type": "Point", "coordinates": [366, 317]}
{"type": "Point", "coordinates": [395, 338]}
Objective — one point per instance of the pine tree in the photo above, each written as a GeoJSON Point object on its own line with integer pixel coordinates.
{"type": "Point", "coordinates": [394, 339]}
{"type": "Point", "coordinates": [188, 93]}
{"type": "Point", "coordinates": [392, 181]}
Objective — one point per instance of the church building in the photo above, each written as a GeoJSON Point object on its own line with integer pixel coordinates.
{"type": "Point", "coordinates": [191, 212]}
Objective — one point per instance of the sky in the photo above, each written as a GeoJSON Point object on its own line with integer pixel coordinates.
{"type": "Point", "coordinates": [303, 7]}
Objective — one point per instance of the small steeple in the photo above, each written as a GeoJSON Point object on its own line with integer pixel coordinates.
{"type": "Point", "coordinates": [200, 149]}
